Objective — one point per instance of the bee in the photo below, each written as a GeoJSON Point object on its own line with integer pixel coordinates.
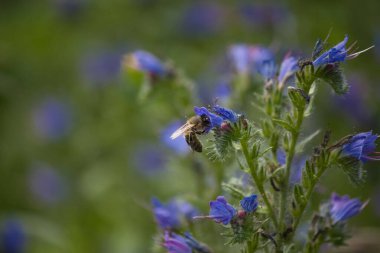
{"type": "Point", "coordinates": [194, 126]}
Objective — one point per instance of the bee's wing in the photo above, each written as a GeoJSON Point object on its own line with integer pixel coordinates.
{"type": "Point", "coordinates": [180, 131]}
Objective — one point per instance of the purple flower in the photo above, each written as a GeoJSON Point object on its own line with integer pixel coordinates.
{"type": "Point", "coordinates": [101, 68]}
{"type": "Point", "coordinates": [47, 185]}
{"type": "Point", "coordinates": [145, 62]}
{"type": "Point", "coordinates": [12, 237]}
{"type": "Point", "coordinates": [202, 19]}
{"type": "Point", "coordinates": [250, 203]}
{"type": "Point", "coordinates": [343, 208]}
{"type": "Point", "coordinates": [361, 146]}
{"type": "Point", "coordinates": [167, 216]}
{"type": "Point", "coordinates": [298, 164]}
{"type": "Point", "coordinates": [215, 120]}
{"type": "Point", "coordinates": [288, 67]}
{"type": "Point", "coordinates": [262, 60]}
{"type": "Point", "coordinates": [226, 114]}
{"type": "Point", "coordinates": [175, 243]}
{"type": "Point", "coordinates": [52, 118]}
{"type": "Point", "coordinates": [239, 56]}
{"type": "Point", "coordinates": [221, 211]}
{"type": "Point", "coordinates": [194, 244]}
{"type": "Point", "coordinates": [148, 159]}
{"type": "Point", "coordinates": [222, 90]}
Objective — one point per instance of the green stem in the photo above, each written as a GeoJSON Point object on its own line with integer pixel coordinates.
{"type": "Point", "coordinates": [259, 185]}
{"type": "Point", "coordinates": [307, 197]}
{"type": "Point", "coordinates": [289, 159]}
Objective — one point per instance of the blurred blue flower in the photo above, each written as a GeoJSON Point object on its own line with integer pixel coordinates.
{"type": "Point", "coordinates": [355, 102]}
{"type": "Point", "coordinates": [221, 211]}
{"type": "Point", "coordinates": [215, 120]}
{"type": "Point", "coordinates": [148, 159]}
{"type": "Point", "coordinates": [202, 19]}
{"type": "Point", "coordinates": [343, 208]}
{"type": "Point", "coordinates": [101, 68]}
{"type": "Point", "coordinates": [13, 237]}
{"type": "Point", "coordinates": [335, 54]}
{"type": "Point", "coordinates": [175, 243]}
{"type": "Point", "coordinates": [145, 62]}
{"type": "Point", "coordinates": [69, 8]}
{"type": "Point", "coordinates": [250, 203]}
{"type": "Point", "coordinates": [167, 216]}
{"type": "Point", "coordinates": [281, 156]}
{"type": "Point", "coordinates": [288, 67]}
{"type": "Point", "coordinates": [52, 118]}
{"type": "Point", "coordinates": [361, 146]}
{"type": "Point", "coordinates": [262, 61]}
{"type": "Point", "coordinates": [194, 244]}
{"type": "Point", "coordinates": [298, 164]}
{"type": "Point", "coordinates": [225, 113]}
{"type": "Point", "coordinates": [264, 15]}
{"type": "Point", "coordinates": [222, 90]}
{"type": "Point", "coordinates": [46, 184]}
{"type": "Point", "coordinates": [186, 209]}
{"type": "Point", "coordinates": [239, 57]}
{"type": "Point", "coordinates": [178, 145]}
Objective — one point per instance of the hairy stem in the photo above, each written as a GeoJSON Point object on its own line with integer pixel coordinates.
{"type": "Point", "coordinates": [307, 197]}
{"type": "Point", "coordinates": [259, 185]}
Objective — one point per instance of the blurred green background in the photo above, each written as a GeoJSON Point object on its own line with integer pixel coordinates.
{"type": "Point", "coordinates": [80, 160]}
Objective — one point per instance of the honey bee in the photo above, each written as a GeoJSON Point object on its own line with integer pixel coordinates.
{"type": "Point", "coordinates": [194, 126]}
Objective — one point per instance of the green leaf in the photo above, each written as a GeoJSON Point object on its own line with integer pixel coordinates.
{"type": "Point", "coordinates": [301, 145]}
{"type": "Point", "coordinates": [284, 124]}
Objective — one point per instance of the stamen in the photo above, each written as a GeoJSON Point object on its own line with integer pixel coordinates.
{"type": "Point", "coordinates": [354, 55]}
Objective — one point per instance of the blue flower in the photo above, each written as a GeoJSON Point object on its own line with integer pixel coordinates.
{"type": "Point", "coordinates": [186, 209]}
{"type": "Point", "coordinates": [361, 146]}
{"type": "Point", "coordinates": [175, 243]}
{"type": "Point", "coordinates": [262, 60]}
{"type": "Point", "coordinates": [148, 159]}
{"type": "Point", "coordinates": [202, 19]}
{"type": "Point", "coordinates": [145, 62]}
{"type": "Point", "coordinates": [226, 114]}
{"type": "Point", "coordinates": [239, 56]}
{"type": "Point", "coordinates": [194, 244]}
{"type": "Point", "coordinates": [178, 145]}
{"type": "Point", "coordinates": [12, 237]}
{"type": "Point", "coordinates": [221, 211]}
{"type": "Point", "coordinates": [281, 156]}
{"type": "Point", "coordinates": [250, 203]}
{"type": "Point", "coordinates": [343, 208]}
{"type": "Point", "coordinates": [167, 216]}
{"type": "Point", "coordinates": [47, 185]}
{"type": "Point", "coordinates": [335, 54]}
{"type": "Point", "coordinates": [288, 67]}
{"type": "Point", "coordinates": [215, 120]}
{"type": "Point", "coordinates": [52, 119]}
{"type": "Point", "coordinates": [101, 68]}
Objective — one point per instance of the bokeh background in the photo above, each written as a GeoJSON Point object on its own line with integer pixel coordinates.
{"type": "Point", "coordinates": [80, 159]}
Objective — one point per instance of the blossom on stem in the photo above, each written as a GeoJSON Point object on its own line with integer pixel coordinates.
{"type": "Point", "coordinates": [250, 203]}
{"type": "Point", "coordinates": [226, 114]}
{"type": "Point", "coordinates": [361, 146]}
{"type": "Point", "coordinates": [220, 211]}
{"type": "Point", "coordinates": [145, 62]}
{"type": "Point", "coordinates": [336, 54]}
{"type": "Point", "coordinates": [215, 120]}
{"type": "Point", "coordinates": [343, 208]}
{"type": "Point", "coordinates": [239, 56]}
{"type": "Point", "coordinates": [262, 61]}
